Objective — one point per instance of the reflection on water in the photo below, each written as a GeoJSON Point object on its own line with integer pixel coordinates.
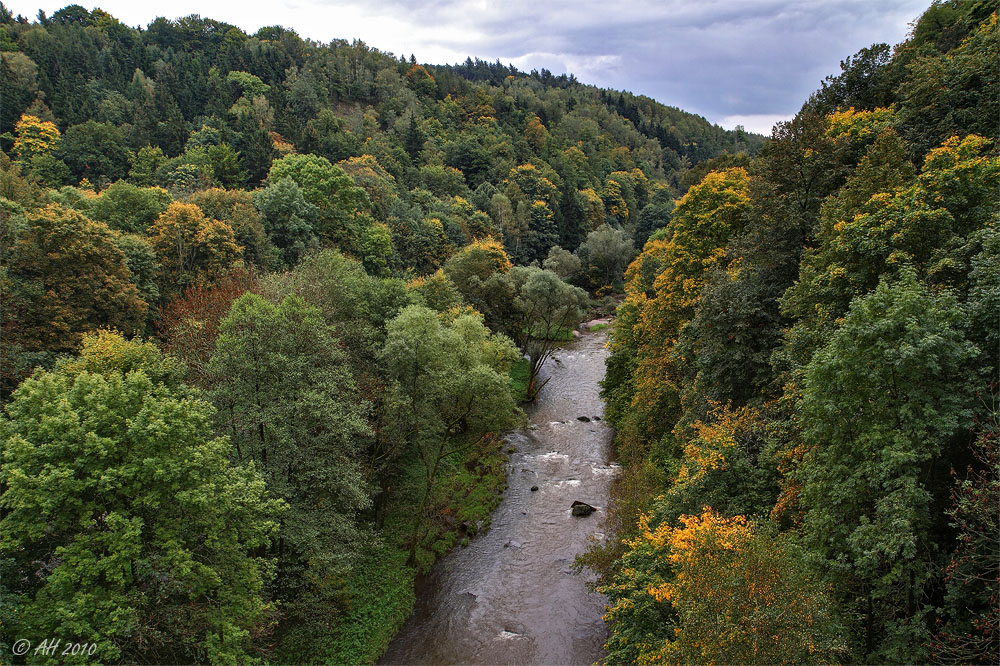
{"type": "Point", "coordinates": [510, 597]}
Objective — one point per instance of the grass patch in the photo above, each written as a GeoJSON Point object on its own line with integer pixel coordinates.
{"type": "Point", "coordinates": [598, 327]}
{"type": "Point", "coordinates": [380, 597]}
{"type": "Point", "coordinates": [560, 334]}
{"type": "Point", "coordinates": [519, 374]}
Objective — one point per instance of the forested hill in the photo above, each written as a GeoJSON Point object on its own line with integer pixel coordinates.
{"type": "Point", "coordinates": [192, 83]}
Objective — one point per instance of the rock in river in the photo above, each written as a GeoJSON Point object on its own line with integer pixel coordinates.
{"type": "Point", "coordinates": [582, 508]}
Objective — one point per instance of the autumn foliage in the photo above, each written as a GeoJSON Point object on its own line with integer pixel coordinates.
{"type": "Point", "coordinates": [726, 590]}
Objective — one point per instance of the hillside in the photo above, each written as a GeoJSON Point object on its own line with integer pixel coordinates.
{"type": "Point", "coordinates": [804, 379]}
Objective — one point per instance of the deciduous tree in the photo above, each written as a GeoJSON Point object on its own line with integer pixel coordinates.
{"type": "Point", "coordinates": [125, 520]}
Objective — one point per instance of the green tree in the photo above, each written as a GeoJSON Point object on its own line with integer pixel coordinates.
{"type": "Point", "coordinates": [971, 614]}
{"type": "Point", "coordinates": [341, 203]}
{"type": "Point", "coordinates": [144, 165]}
{"type": "Point", "coordinates": [436, 291]}
{"type": "Point", "coordinates": [562, 262]}
{"type": "Point", "coordinates": [141, 261]}
{"type": "Point", "coordinates": [124, 521]}
{"type": "Point", "coordinates": [604, 255]}
{"type": "Point", "coordinates": [478, 271]}
{"type": "Point", "coordinates": [356, 304]}
{"type": "Point", "coordinates": [880, 403]}
{"type": "Point", "coordinates": [95, 151]}
{"type": "Point", "coordinates": [546, 310]}
{"type": "Point", "coordinates": [287, 399]}
{"type": "Point", "coordinates": [128, 208]}
{"type": "Point", "coordinates": [451, 389]}
{"type": "Point", "coordinates": [290, 220]}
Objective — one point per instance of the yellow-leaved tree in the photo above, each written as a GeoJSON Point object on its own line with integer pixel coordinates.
{"type": "Point", "coordinates": [717, 590]}
{"type": "Point", "coordinates": [34, 136]}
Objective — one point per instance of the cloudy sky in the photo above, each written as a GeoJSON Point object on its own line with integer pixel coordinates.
{"type": "Point", "coordinates": [749, 62]}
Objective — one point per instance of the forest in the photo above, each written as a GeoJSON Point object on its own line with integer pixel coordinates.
{"type": "Point", "coordinates": [268, 306]}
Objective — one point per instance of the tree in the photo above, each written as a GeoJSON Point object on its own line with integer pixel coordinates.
{"type": "Point", "coordinates": [188, 325]}
{"type": "Point", "coordinates": [652, 217]}
{"type": "Point", "coordinates": [542, 233]}
{"type": "Point", "coordinates": [375, 250]}
{"type": "Point", "coordinates": [971, 610]}
{"type": "Point", "coordinates": [451, 386]}
{"type": "Point", "coordinates": [413, 139]}
{"type": "Point", "coordinates": [546, 309]}
{"type": "Point", "coordinates": [664, 285]}
{"type": "Point", "coordinates": [421, 81]}
{"type": "Point", "coordinates": [34, 137]}
{"type": "Point", "coordinates": [287, 400]}
{"type": "Point", "coordinates": [124, 519]}
{"type": "Point", "coordinates": [605, 253]}
{"type": "Point", "coordinates": [718, 590]}
{"type": "Point", "coordinates": [864, 82]}
{"type": "Point", "coordinates": [290, 220]}
{"type": "Point", "coordinates": [478, 271]}
{"type": "Point", "coordinates": [95, 151]}
{"type": "Point", "coordinates": [128, 208]}
{"type": "Point", "coordinates": [144, 165]}
{"type": "Point", "coordinates": [256, 148]}
{"type": "Point", "coordinates": [436, 291]}
{"type": "Point", "coordinates": [236, 208]}
{"type": "Point", "coordinates": [375, 180]}
{"type": "Point", "coordinates": [191, 247]}
{"type": "Point", "coordinates": [880, 403]}
{"type": "Point", "coordinates": [946, 94]}
{"type": "Point", "coordinates": [327, 187]}
{"type": "Point", "coordinates": [563, 263]}
{"type": "Point", "coordinates": [66, 277]}
{"type": "Point", "coordinates": [141, 261]}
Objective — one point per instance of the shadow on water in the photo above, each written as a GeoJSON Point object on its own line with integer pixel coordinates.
{"type": "Point", "coordinates": [510, 597]}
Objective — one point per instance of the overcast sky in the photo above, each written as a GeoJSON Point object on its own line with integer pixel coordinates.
{"type": "Point", "coordinates": [749, 62]}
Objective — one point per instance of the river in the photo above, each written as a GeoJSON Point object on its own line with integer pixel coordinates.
{"type": "Point", "coordinates": [510, 596]}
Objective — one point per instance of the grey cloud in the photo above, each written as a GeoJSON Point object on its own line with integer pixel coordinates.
{"type": "Point", "coordinates": [718, 58]}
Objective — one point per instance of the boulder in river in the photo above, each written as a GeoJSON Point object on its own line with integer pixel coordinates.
{"type": "Point", "coordinates": [585, 419]}
{"type": "Point", "coordinates": [534, 488]}
{"type": "Point", "coordinates": [581, 508]}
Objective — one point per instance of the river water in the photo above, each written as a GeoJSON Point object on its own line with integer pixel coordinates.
{"type": "Point", "coordinates": [510, 596]}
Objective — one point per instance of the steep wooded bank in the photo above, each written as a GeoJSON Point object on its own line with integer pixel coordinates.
{"type": "Point", "coordinates": [804, 381]}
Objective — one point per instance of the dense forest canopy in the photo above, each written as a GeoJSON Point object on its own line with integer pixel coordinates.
{"type": "Point", "coordinates": [267, 306]}
{"type": "Point", "coordinates": [288, 284]}
{"type": "Point", "coordinates": [260, 148]}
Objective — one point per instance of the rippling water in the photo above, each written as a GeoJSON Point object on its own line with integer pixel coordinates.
{"type": "Point", "coordinates": [510, 597]}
